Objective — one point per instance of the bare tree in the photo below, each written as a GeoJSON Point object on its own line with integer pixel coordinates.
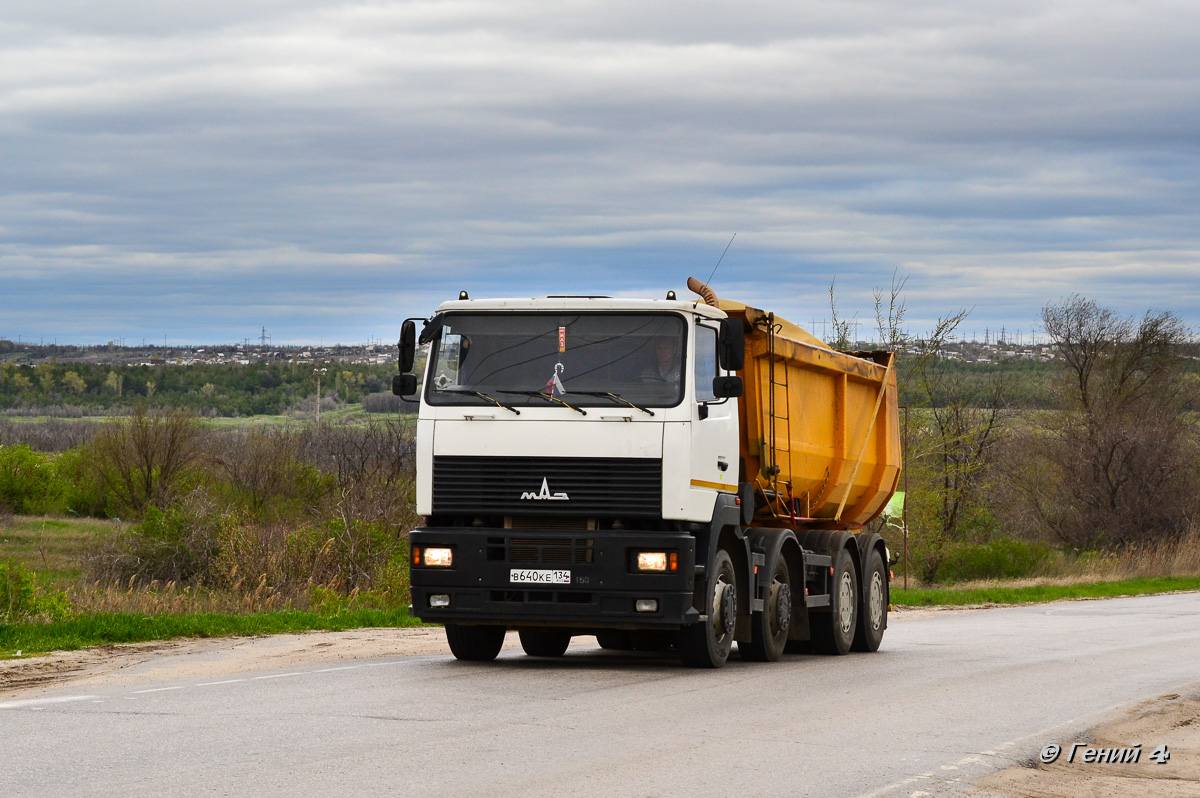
{"type": "Point", "coordinates": [889, 314]}
{"type": "Point", "coordinates": [963, 424]}
{"type": "Point", "coordinates": [956, 430]}
{"type": "Point", "coordinates": [1117, 462]}
{"type": "Point", "coordinates": [841, 327]}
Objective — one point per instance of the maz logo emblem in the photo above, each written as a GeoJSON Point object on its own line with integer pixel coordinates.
{"type": "Point", "coordinates": [544, 494]}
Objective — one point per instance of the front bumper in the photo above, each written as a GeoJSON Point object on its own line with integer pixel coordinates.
{"type": "Point", "coordinates": [603, 588]}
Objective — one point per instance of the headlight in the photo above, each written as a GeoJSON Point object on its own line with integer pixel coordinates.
{"type": "Point", "coordinates": [657, 561]}
{"type": "Point", "coordinates": [436, 557]}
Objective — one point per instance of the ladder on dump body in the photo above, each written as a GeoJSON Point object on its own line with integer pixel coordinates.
{"type": "Point", "coordinates": [780, 413]}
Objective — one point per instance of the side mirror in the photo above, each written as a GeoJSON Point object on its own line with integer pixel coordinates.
{"type": "Point", "coordinates": [728, 387]}
{"type": "Point", "coordinates": [731, 345]}
{"type": "Point", "coordinates": [408, 345]}
{"type": "Point", "coordinates": [404, 384]}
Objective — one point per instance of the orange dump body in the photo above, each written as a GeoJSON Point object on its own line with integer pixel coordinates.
{"type": "Point", "coordinates": [820, 428]}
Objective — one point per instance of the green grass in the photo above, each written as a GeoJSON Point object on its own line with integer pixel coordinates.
{"type": "Point", "coordinates": [949, 596]}
{"type": "Point", "coordinates": [53, 547]}
{"type": "Point", "coordinates": [109, 628]}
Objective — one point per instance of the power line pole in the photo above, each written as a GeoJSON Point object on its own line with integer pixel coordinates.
{"type": "Point", "coordinates": [319, 372]}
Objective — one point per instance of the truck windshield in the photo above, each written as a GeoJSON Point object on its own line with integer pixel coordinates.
{"type": "Point", "coordinates": [580, 357]}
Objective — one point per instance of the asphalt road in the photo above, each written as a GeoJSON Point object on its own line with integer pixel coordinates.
{"type": "Point", "coordinates": [947, 698]}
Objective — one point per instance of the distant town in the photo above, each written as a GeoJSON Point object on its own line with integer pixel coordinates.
{"type": "Point", "coordinates": [115, 354]}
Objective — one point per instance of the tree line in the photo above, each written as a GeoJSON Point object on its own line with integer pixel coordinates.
{"type": "Point", "coordinates": [265, 388]}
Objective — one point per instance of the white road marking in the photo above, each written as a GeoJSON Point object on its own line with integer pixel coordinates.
{"type": "Point", "coordinates": [279, 675]}
{"type": "Point", "coordinates": [155, 690]}
{"type": "Point", "coordinates": [343, 668]}
{"type": "Point", "coordinates": [972, 758]}
{"type": "Point", "coordinates": [33, 702]}
{"type": "Point", "coordinates": [226, 681]}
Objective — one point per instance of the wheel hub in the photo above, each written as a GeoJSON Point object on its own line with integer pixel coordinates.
{"type": "Point", "coordinates": [726, 606]}
{"type": "Point", "coordinates": [876, 600]}
{"type": "Point", "coordinates": [845, 602]}
{"type": "Point", "coordinates": [781, 606]}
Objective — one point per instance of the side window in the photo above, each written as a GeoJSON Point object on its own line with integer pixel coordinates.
{"type": "Point", "coordinates": [449, 356]}
{"type": "Point", "coordinates": [706, 362]}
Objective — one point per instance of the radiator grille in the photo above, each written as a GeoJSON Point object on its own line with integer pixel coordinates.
{"type": "Point", "coordinates": [541, 551]}
{"type": "Point", "coordinates": [548, 486]}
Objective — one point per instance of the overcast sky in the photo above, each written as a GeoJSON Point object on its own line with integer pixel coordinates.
{"type": "Point", "coordinates": [202, 170]}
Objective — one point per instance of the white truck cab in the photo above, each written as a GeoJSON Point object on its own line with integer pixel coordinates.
{"type": "Point", "coordinates": [586, 379]}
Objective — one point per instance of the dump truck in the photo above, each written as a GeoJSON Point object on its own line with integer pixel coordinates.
{"type": "Point", "coordinates": [660, 473]}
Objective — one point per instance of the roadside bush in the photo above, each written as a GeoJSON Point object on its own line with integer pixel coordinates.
{"type": "Point", "coordinates": [81, 493]}
{"type": "Point", "coordinates": [28, 482]}
{"type": "Point", "coordinates": [374, 466]}
{"type": "Point", "coordinates": [178, 544]}
{"type": "Point", "coordinates": [22, 600]}
{"type": "Point", "coordinates": [143, 460]}
{"type": "Point", "coordinates": [389, 590]}
{"type": "Point", "coordinates": [387, 402]}
{"type": "Point", "coordinates": [47, 436]}
{"type": "Point", "coordinates": [1002, 558]}
{"type": "Point", "coordinates": [264, 469]}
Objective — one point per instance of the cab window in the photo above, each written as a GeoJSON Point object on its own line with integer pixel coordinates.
{"type": "Point", "coordinates": [706, 362]}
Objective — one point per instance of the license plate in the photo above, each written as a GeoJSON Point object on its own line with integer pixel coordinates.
{"type": "Point", "coordinates": [529, 576]}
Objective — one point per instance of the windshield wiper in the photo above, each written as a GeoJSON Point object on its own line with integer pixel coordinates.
{"type": "Point", "coordinates": [482, 396]}
{"type": "Point", "coordinates": [549, 396]}
{"type": "Point", "coordinates": [618, 397]}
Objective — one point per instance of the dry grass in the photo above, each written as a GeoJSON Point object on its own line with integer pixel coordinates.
{"type": "Point", "coordinates": [172, 599]}
{"type": "Point", "coordinates": [1164, 558]}
{"type": "Point", "coordinates": [1173, 558]}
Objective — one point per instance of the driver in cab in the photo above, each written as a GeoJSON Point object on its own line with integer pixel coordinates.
{"type": "Point", "coordinates": [666, 363]}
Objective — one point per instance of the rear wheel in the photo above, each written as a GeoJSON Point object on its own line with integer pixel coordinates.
{"type": "Point", "coordinates": [707, 644]}
{"type": "Point", "coordinates": [538, 642]}
{"type": "Point", "coordinates": [474, 643]}
{"type": "Point", "coordinates": [833, 632]}
{"type": "Point", "coordinates": [769, 628]}
{"type": "Point", "coordinates": [873, 618]}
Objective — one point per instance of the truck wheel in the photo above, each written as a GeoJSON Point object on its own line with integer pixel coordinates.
{"type": "Point", "coordinates": [873, 618]}
{"type": "Point", "coordinates": [769, 628]}
{"type": "Point", "coordinates": [707, 644]}
{"type": "Point", "coordinates": [544, 642]}
{"type": "Point", "coordinates": [615, 641]}
{"type": "Point", "coordinates": [474, 643]}
{"type": "Point", "coordinates": [833, 632]}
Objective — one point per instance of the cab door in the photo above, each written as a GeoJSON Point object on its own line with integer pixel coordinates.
{"type": "Point", "coordinates": [714, 427]}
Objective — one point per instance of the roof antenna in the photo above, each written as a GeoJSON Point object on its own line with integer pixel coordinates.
{"type": "Point", "coordinates": [714, 271]}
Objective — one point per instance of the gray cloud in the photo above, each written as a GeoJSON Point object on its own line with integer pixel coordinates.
{"type": "Point", "coordinates": [323, 168]}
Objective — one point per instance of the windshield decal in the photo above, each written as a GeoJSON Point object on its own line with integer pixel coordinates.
{"type": "Point", "coordinates": [554, 385]}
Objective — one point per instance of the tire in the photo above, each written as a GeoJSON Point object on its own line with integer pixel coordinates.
{"type": "Point", "coordinates": [650, 640]}
{"type": "Point", "coordinates": [615, 641]}
{"type": "Point", "coordinates": [707, 644]}
{"type": "Point", "coordinates": [639, 640]}
{"type": "Point", "coordinates": [833, 632]}
{"type": "Point", "coordinates": [769, 628]}
{"type": "Point", "coordinates": [539, 642]}
{"type": "Point", "coordinates": [474, 643]}
{"type": "Point", "coordinates": [872, 619]}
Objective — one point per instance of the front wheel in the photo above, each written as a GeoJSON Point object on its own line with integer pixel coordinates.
{"type": "Point", "coordinates": [707, 644]}
{"type": "Point", "coordinates": [873, 619]}
{"type": "Point", "coordinates": [615, 640]}
{"type": "Point", "coordinates": [544, 642]}
{"type": "Point", "coordinates": [474, 643]}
